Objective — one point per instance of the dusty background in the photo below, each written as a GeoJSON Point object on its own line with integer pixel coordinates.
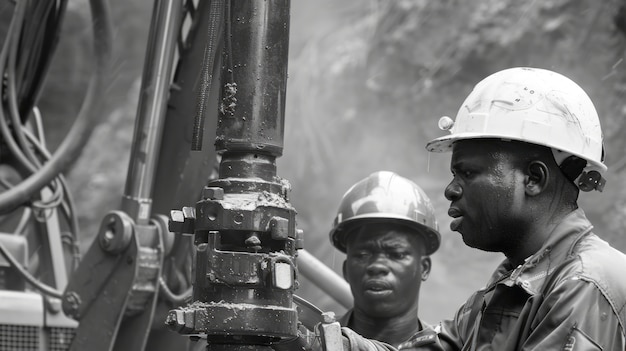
{"type": "Point", "coordinates": [368, 81]}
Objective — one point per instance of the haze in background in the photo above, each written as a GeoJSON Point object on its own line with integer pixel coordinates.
{"type": "Point", "coordinates": [368, 81]}
{"type": "Point", "coordinates": [371, 80]}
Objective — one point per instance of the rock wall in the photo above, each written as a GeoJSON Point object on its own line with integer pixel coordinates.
{"type": "Point", "coordinates": [368, 82]}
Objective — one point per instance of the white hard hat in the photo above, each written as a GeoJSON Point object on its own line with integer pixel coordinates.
{"type": "Point", "coordinates": [535, 106]}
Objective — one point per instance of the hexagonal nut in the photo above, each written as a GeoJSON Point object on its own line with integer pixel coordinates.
{"type": "Point", "coordinates": [328, 317]}
{"type": "Point", "coordinates": [177, 321]}
{"type": "Point", "coordinates": [71, 303]}
{"type": "Point", "coordinates": [189, 213]}
{"type": "Point", "coordinates": [177, 216]}
{"type": "Point", "coordinates": [279, 228]}
{"type": "Point", "coordinates": [182, 221]}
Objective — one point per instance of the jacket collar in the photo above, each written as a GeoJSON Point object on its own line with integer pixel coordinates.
{"type": "Point", "coordinates": [531, 275]}
{"type": "Point", "coordinates": [424, 335]}
{"type": "Point", "coordinates": [346, 319]}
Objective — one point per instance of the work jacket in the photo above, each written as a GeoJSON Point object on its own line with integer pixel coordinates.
{"type": "Point", "coordinates": [570, 295]}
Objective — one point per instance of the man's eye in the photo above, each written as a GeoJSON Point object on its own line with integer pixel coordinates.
{"type": "Point", "coordinates": [464, 173]}
{"type": "Point", "coordinates": [398, 255]}
{"type": "Point", "coordinates": [467, 173]}
{"type": "Point", "coordinates": [360, 254]}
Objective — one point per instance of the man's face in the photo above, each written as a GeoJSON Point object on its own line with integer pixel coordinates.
{"type": "Point", "coordinates": [486, 195]}
{"type": "Point", "coordinates": [385, 267]}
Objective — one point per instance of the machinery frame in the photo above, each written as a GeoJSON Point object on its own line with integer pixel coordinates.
{"type": "Point", "coordinates": [213, 69]}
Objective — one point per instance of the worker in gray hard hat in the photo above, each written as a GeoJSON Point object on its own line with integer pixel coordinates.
{"type": "Point", "coordinates": [386, 226]}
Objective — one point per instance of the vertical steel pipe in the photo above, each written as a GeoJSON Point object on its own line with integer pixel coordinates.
{"type": "Point", "coordinates": [165, 24]}
{"type": "Point", "coordinates": [254, 77]}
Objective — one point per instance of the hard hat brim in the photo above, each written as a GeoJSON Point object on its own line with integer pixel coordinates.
{"type": "Point", "coordinates": [444, 144]}
{"type": "Point", "coordinates": [339, 235]}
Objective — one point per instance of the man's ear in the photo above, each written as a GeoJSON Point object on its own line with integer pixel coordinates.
{"type": "Point", "coordinates": [536, 180]}
{"type": "Point", "coordinates": [426, 264]}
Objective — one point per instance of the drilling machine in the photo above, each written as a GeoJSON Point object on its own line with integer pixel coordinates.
{"type": "Point", "coordinates": [161, 274]}
{"type": "Point", "coordinates": [244, 226]}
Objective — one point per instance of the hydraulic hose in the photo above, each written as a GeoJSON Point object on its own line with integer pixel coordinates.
{"type": "Point", "coordinates": [170, 296]}
{"type": "Point", "coordinates": [47, 290]}
{"type": "Point", "coordinates": [88, 116]}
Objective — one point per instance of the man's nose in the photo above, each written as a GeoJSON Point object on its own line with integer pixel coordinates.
{"type": "Point", "coordinates": [453, 191]}
{"type": "Point", "coordinates": [378, 266]}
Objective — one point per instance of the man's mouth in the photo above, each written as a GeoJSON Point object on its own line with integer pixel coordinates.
{"type": "Point", "coordinates": [458, 218]}
{"type": "Point", "coordinates": [377, 287]}
{"type": "Point", "coordinates": [456, 223]}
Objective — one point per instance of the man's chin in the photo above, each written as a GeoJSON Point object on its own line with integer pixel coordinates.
{"type": "Point", "coordinates": [474, 245]}
{"type": "Point", "coordinates": [479, 246]}
{"type": "Point", "coordinates": [381, 305]}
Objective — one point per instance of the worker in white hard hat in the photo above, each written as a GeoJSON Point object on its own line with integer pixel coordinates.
{"type": "Point", "coordinates": [524, 143]}
{"type": "Point", "coordinates": [386, 225]}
